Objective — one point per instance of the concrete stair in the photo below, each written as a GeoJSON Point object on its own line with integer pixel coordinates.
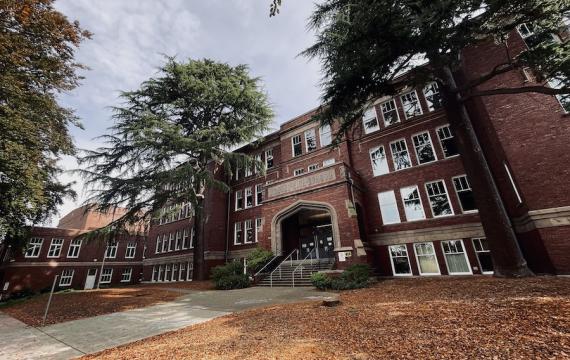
{"type": "Point", "coordinates": [283, 274]}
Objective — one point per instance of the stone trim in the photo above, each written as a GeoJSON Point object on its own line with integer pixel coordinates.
{"type": "Point", "coordinates": [54, 264]}
{"type": "Point", "coordinates": [542, 218]}
{"type": "Point", "coordinates": [452, 232]}
{"type": "Point", "coordinates": [241, 253]}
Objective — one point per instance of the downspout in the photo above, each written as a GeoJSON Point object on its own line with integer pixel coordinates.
{"type": "Point", "coordinates": [227, 250]}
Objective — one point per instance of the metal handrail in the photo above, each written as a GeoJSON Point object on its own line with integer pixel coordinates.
{"type": "Point", "coordinates": [279, 266]}
{"type": "Point", "coordinates": [301, 263]}
{"type": "Point", "coordinates": [266, 265]}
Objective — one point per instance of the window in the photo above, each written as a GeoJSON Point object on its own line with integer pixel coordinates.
{"type": "Point", "coordinates": [239, 200]}
{"type": "Point", "coordinates": [185, 244]}
{"type": "Point", "coordinates": [237, 173]}
{"type": "Point", "coordinates": [248, 171]}
{"type": "Point", "coordinates": [66, 277]}
{"type": "Point", "coordinates": [433, 96]}
{"type": "Point", "coordinates": [74, 247]}
{"type": "Point", "coordinates": [189, 271]}
{"type": "Point", "coordinates": [175, 274]}
{"type": "Point", "coordinates": [126, 275]}
{"type": "Point", "coordinates": [325, 135]}
{"type": "Point", "coordinates": [313, 167]}
{"type": "Point", "coordinates": [248, 198]}
{"type": "Point", "coordinates": [187, 210]}
{"type": "Point", "coordinates": [525, 30]}
{"type": "Point", "coordinates": [515, 189]}
{"type": "Point", "coordinates": [427, 261]}
{"type": "Point", "coordinates": [258, 223]}
{"type": "Point", "coordinates": [455, 257]}
{"type": "Point", "coordinates": [237, 233]}
{"type": "Point", "coordinates": [269, 158]}
{"type": "Point", "coordinates": [160, 273]}
{"type": "Point", "coordinates": [157, 250]}
{"type": "Point", "coordinates": [34, 247]}
{"type": "Point", "coordinates": [106, 276]}
{"type": "Point", "coordinates": [388, 207]}
{"type": "Point", "coordinates": [164, 243]}
{"type": "Point", "coordinates": [447, 141]}
{"type": "Point", "coordinates": [483, 255]}
{"type": "Point", "coordinates": [379, 161]}
{"type": "Point", "coordinates": [563, 99]}
{"type": "Point", "coordinates": [178, 244]}
{"type": "Point", "coordinates": [131, 249]}
{"type": "Point", "coordinates": [182, 273]}
{"type": "Point", "coordinates": [171, 242]}
{"type": "Point", "coordinates": [249, 236]}
{"type": "Point", "coordinates": [464, 193]}
{"type": "Point", "coordinates": [55, 248]}
{"type": "Point", "coordinates": [258, 160]}
{"type": "Point", "coordinates": [297, 147]}
{"type": "Point", "coordinates": [400, 155]}
{"type": "Point", "coordinates": [424, 148]}
{"type": "Point", "coordinates": [154, 273]}
{"type": "Point", "coordinates": [438, 199]}
{"type": "Point", "coordinates": [298, 172]}
{"type": "Point", "coordinates": [310, 140]}
{"type": "Point", "coordinates": [411, 104]}
{"type": "Point", "coordinates": [167, 272]}
{"type": "Point", "coordinates": [111, 251]}
{"type": "Point", "coordinates": [258, 194]}
{"type": "Point", "coordinates": [192, 236]}
{"type": "Point", "coordinates": [399, 260]}
{"type": "Point", "coordinates": [328, 162]}
{"type": "Point", "coordinates": [370, 120]}
{"type": "Point", "coordinates": [390, 113]}
{"type": "Point", "coordinates": [413, 207]}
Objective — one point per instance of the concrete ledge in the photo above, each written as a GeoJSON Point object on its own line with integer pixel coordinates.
{"type": "Point", "coordinates": [451, 232]}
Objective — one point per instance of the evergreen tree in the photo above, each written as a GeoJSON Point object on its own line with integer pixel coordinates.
{"type": "Point", "coordinates": [171, 138]}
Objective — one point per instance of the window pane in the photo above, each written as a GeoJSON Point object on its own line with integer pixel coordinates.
{"type": "Point", "coordinates": [424, 148]}
{"type": "Point", "coordinates": [411, 104]}
{"type": "Point", "coordinates": [390, 113]}
{"type": "Point", "coordinates": [326, 136]}
{"type": "Point", "coordinates": [379, 161]}
{"type": "Point", "coordinates": [400, 155]}
{"type": "Point", "coordinates": [464, 193]}
{"type": "Point", "coordinates": [438, 198]}
{"type": "Point", "coordinates": [388, 208]}
{"type": "Point", "coordinates": [370, 120]}
{"type": "Point", "coordinates": [412, 203]}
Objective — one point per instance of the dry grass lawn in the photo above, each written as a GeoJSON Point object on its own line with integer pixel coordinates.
{"type": "Point", "coordinates": [443, 318]}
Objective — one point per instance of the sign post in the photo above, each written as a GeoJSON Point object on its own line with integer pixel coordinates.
{"type": "Point", "coordinates": [49, 300]}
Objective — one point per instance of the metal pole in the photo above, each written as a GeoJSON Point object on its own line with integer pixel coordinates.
{"type": "Point", "coordinates": [102, 264]}
{"type": "Point", "coordinates": [49, 299]}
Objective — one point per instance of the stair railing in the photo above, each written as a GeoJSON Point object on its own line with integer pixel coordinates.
{"type": "Point", "coordinates": [290, 258]}
{"type": "Point", "coordinates": [300, 266]}
{"type": "Point", "coordinates": [265, 266]}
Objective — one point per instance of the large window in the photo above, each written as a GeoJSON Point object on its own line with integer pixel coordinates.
{"type": "Point", "coordinates": [447, 141]}
{"type": "Point", "coordinates": [464, 193]}
{"type": "Point", "coordinates": [258, 224]}
{"type": "Point", "coordinates": [66, 277]}
{"type": "Point", "coordinates": [74, 247]}
{"type": "Point", "coordinates": [171, 242]}
{"type": "Point", "coordinates": [455, 257]}
{"type": "Point", "coordinates": [481, 247]}
{"type": "Point", "coordinates": [370, 120]}
{"type": "Point", "coordinates": [248, 198]}
{"type": "Point", "coordinates": [34, 247]}
{"type": "Point", "coordinates": [55, 248]}
{"type": "Point", "coordinates": [427, 261]}
{"type": "Point", "coordinates": [185, 239]}
{"type": "Point", "coordinates": [269, 158]}
{"type": "Point", "coordinates": [258, 194]}
{"type": "Point", "coordinates": [111, 251]}
{"type": "Point", "coordinates": [400, 260]}
{"type": "Point", "coordinates": [164, 242]}
{"type": "Point", "coordinates": [411, 104]}
{"type": "Point", "coordinates": [158, 244]}
{"type": "Point", "coordinates": [249, 235]}
{"type": "Point", "coordinates": [438, 199]}
{"type": "Point", "coordinates": [131, 249]}
{"type": "Point", "coordinates": [388, 207]}
{"type": "Point", "coordinates": [126, 275]}
{"type": "Point", "coordinates": [296, 144]}
{"type": "Point", "coordinates": [178, 245]}
{"type": "Point", "coordinates": [238, 234]}
{"type": "Point", "coordinates": [390, 113]}
{"type": "Point", "coordinates": [239, 200]}
{"type": "Point", "coordinates": [325, 135]}
{"type": "Point", "coordinates": [310, 140]}
{"type": "Point", "coordinates": [400, 155]}
{"type": "Point", "coordinates": [379, 161]}
{"type": "Point", "coordinates": [433, 96]}
{"type": "Point", "coordinates": [106, 276]}
{"type": "Point", "coordinates": [412, 203]}
{"type": "Point", "coordinates": [424, 148]}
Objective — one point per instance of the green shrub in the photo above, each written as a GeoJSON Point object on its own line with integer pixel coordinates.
{"type": "Point", "coordinates": [230, 276]}
{"type": "Point", "coordinates": [321, 281]}
{"type": "Point", "coordinates": [359, 273]}
{"type": "Point", "coordinates": [354, 277]}
{"type": "Point", "coordinates": [257, 259]}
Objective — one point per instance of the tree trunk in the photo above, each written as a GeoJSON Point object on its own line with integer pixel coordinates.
{"type": "Point", "coordinates": [507, 257]}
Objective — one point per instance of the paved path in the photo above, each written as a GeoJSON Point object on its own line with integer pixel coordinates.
{"type": "Point", "coordinates": [75, 338]}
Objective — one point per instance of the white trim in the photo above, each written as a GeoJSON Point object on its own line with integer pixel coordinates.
{"type": "Point", "coordinates": [404, 106]}
{"type": "Point", "coordinates": [103, 274]}
{"type": "Point", "coordinates": [516, 190]}
{"type": "Point", "coordinates": [411, 273]}
{"type": "Point", "coordinates": [74, 246]}
{"type": "Point", "coordinates": [416, 149]}
{"type": "Point", "coordinates": [441, 141]}
{"type": "Point", "coordinates": [321, 132]}
{"type": "Point", "coordinates": [434, 255]}
{"type": "Point", "coordinates": [470, 272]}
{"type": "Point", "coordinates": [133, 246]}
{"type": "Point", "coordinates": [70, 277]}
{"type": "Point", "coordinates": [35, 246]}
{"type": "Point", "coordinates": [130, 273]}
{"type": "Point", "coordinates": [57, 247]}
{"type": "Point", "coordinates": [419, 198]}
{"type": "Point", "coordinates": [446, 195]}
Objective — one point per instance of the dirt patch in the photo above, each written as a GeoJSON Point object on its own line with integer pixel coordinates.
{"type": "Point", "coordinates": [444, 318]}
{"type": "Point", "coordinates": [82, 304]}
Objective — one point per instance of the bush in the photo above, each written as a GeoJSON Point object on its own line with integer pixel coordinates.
{"type": "Point", "coordinates": [230, 276]}
{"type": "Point", "coordinates": [354, 277]}
{"type": "Point", "coordinates": [24, 293]}
{"type": "Point", "coordinates": [257, 259]}
{"type": "Point", "coordinates": [321, 281]}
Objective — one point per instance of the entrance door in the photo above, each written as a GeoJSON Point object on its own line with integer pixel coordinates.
{"type": "Point", "coordinates": [90, 280]}
{"type": "Point", "coordinates": [324, 241]}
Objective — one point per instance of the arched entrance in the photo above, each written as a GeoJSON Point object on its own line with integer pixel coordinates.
{"type": "Point", "coordinates": [306, 226]}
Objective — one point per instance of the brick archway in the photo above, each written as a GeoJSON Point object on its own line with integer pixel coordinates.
{"type": "Point", "coordinates": [276, 238]}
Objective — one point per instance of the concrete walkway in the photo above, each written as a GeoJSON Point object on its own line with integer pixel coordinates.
{"type": "Point", "coordinates": [75, 338]}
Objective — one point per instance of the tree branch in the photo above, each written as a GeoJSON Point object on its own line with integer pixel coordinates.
{"type": "Point", "coordinates": [518, 90]}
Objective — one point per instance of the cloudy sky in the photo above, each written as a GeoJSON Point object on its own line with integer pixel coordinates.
{"type": "Point", "coordinates": [131, 38]}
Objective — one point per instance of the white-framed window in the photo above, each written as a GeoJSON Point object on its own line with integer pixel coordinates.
{"type": "Point", "coordinates": [400, 155]}
{"type": "Point", "coordinates": [433, 96]}
{"type": "Point", "coordinates": [248, 171]}
{"type": "Point", "coordinates": [426, 259]}
{"type": "Point", "coordinates": [178, 244]}
{"type": "Point", "coordinates": [464, 193]}
{"type": "Point", "coordinates": [328, 162]}
{"type": "Point", "coordinates": [249, 235]}
{"type": "Point", "coordinates": [413, 206]}
{"type": "Point", "coordinates": [160, 273]}
{"type": "Point", "coordinates": [192, 238]}
{"type": "Point", "coordinates": [158, 245]}
{"type": "Point", "coordinates": [258, 194]}
{"type": "Point", "coordinates": [370, 120]}
{"type": "Point", "coordinates": [167, 272]}
{"type": "Point", "coordinates": [456, 258]}
{"type": "Point", "coordinates": [411, 104]}
{"type": "Point", "coordinates": [239, 199]}
{"type": "Point", "coordinates": [111, 251]}
{"type": "Point", "coordinates": [269, 158]}
{"type": "Point", "coordinates": [325, 135]}
{"type": "Point", "coordinates": [424, 148]}
{"type": "Point", "coordinates": [34, 247]}
{"type": "Point", "coordinates": [258, 159]}
{"type": "Point", "coordinates": [438, 199]}
{"type": "Point", "coordinates": [447, 141]}
{"type": "Point", "coordinates": [313, 167]}
{"type": "Point", "coordinates": [390, 112]}
{"type": "Point", "coordinates": [237, 173]}
{"type": "Point", "coordinates": [310, 140]}
{"type": "Point", "coordinates": [106, 276]}
{"type": "Point", "coordinates": [399, 260]}
{"type": "Point", "coordinates": [171, 242]}
{"type": "Point", "coordinates": [296, 145]}
{"type": "Point", "coordinates": [388, 207]}
{"type": "Point", "coordinates": [154, 273]}
{"type": "Point", "coordinates": [512, 181]}
{"type": "Point", "coordinates": [525, 30]}
{"type": "Point", "coordinates": [379, 161]}
{"type": "Point", "coordinates": [175, 273]}
{"type": "Point", "coordinates": [131, 249]}
{"type": "Point", "coordinates": [238, 234]}
{"type": "Point", "coordinates": [126, 275]}
{"type": "Point", "coordinates": [298, 172]}
{"type": "Point", "coordinates": [258, 224]}
{"type": "Point", "coordinates": [187, 210]}
{"type": "Point", "coordinates": [248, 198]}
{"type": "Point", "coordinates": [563, 99]}
{"type": "Point", "coordinates": [189, 271]}
{"type": "Point", "coordinates": [483, 253]}
{"type": "Point", "coordinates": [185, 243]}
{"type": "Point", "coordinates": [66, 277]}
{"type": "Point", "coordinates": [55, 248]}
{"type": "Point", "coordinates": [182, 272]}
{"type": "Point", "coordinates": [164, 242]}
{"type": "Point", "coordinates": [74, 248]}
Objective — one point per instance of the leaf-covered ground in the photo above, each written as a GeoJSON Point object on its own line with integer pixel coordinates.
{"type": "Point", "coordinates": [435, 318]}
